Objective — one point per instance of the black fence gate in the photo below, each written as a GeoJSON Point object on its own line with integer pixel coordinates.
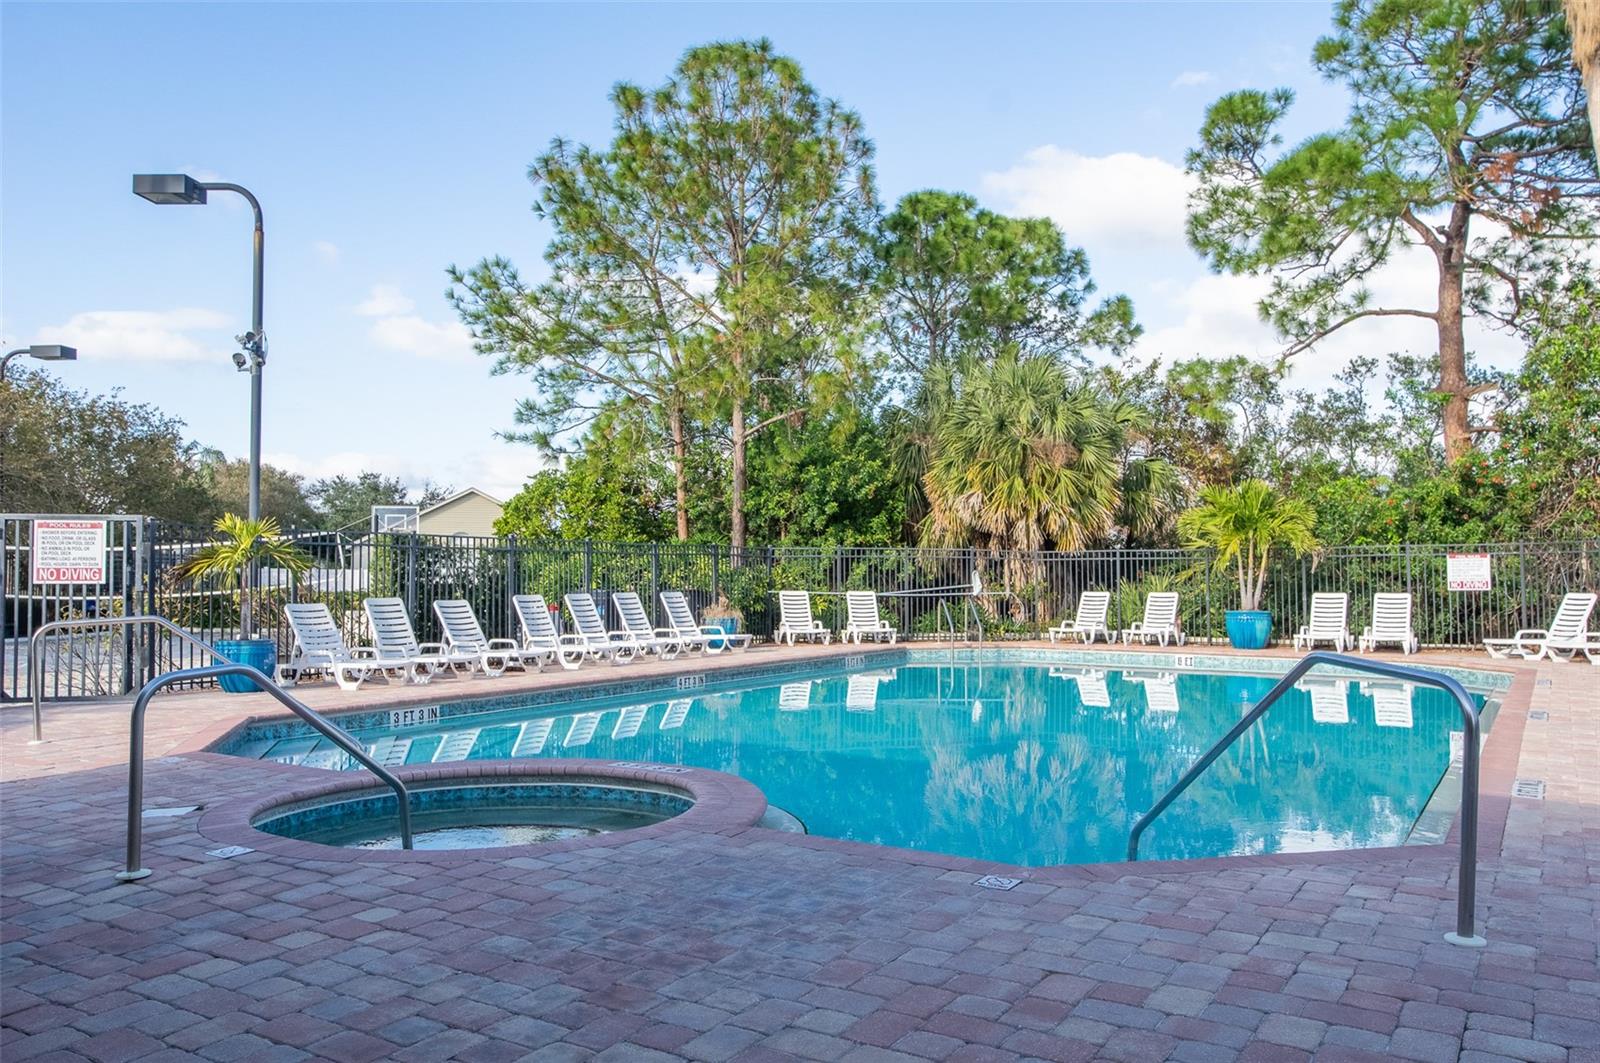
{"type": "Point", "coordinates": [77, 663]}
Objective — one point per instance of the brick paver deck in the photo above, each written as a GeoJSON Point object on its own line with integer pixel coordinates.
{"type": "Point", "coordinates": [745, 944]}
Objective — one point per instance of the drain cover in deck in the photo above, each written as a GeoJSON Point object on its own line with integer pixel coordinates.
{"type": "Point", "coordinates": [1530, 788]}
{"type": "Point", "coordinates": [997, 882]}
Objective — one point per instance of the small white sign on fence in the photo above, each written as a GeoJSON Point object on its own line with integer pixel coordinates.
{"type": "Point", "coordinates": [1468, 572]}
{"type": "Point", "coordinates": [68, 551]}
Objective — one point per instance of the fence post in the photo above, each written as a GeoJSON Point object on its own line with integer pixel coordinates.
{"type": "Point", "coordinates": [655, 580]}
{"type": "Point", "coordinates": [411, 573]}
{"type": "Point", "coordinates": [513, 584]}
{"type": "Point", "coordinates": [716, 559]}
{"type": "Point", "coordinates": [588, 564]}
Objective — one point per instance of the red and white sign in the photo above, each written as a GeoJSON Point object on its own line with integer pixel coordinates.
{"type": "Point", "coordinates": [1467, 572]}
{"type": "Point", "coordinates": [69, 551]}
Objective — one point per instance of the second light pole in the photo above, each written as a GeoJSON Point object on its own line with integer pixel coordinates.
{"type": "Point", "coordinates": [178, 188]}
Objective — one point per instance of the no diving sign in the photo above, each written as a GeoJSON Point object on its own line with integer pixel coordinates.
{"type": "Point", "coordinates": [1468, 572]}
{"type": "Point", "coordinates": [68, 551]}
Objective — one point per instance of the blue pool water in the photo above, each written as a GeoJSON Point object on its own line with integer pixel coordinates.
{"type": "Point", "coordinates": [1017, 762]}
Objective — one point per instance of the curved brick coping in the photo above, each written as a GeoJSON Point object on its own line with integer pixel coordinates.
{"type": "Point", "coordinates": [722, 804]}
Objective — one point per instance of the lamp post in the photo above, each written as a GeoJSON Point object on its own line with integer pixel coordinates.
{"type": "Point", "coordinates": [45, 352]}
{"type": "Point", "coordinates": [181, 189]}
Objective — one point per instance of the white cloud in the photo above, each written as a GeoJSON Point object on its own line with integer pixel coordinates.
{"type": "Point", "coordinates": [1192, 78]}
{"type": "Point", "coordinates": [397, 327]}
{"type": "Point", "coordinates": [416, 335]}
{"type": "Point", "coordinates": [327, 251]}
{"type": "Point", "coordinates": [1136, 202]}
{"type": "Point", "coordinates": [144, 335]}
{"type": "Point", "coordinates": [383, 301]}
{"type": "Point", "coordinates": [500, 470]}
{"type": "Point", "coordinates": [1214, 316]}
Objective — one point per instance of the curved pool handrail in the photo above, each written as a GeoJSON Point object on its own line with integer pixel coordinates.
{"type": "Point", "coordinates": [1466, 887]}
{"type": "Point", "coordinates": [329, 730]}
{"type": "Point", "coordinates": [36, 652]}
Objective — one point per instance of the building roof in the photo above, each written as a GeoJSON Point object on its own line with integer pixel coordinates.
{"type": "Point", "coordinates": [457, 497]}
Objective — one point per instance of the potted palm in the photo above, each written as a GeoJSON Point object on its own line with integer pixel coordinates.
{"type": "Point", "coordinates": [723, 617]}
{"type": "Point", "coordinates": [1243, 524]}
{"type": "Point", "coordinates": [241, 548]}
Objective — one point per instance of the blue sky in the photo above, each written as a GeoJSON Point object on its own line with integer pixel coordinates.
{"type": "Point", "coordinates": [387, 141]}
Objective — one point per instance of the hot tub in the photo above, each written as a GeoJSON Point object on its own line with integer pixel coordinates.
{"type": "Point", "coordinates": [452, 814]}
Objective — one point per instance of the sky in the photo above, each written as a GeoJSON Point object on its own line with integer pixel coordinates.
{"type": "Point", "coordinates": [389, 141]}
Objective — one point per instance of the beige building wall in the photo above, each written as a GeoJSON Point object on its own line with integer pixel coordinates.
{"type": "Point", "coordinates": [469, 514]}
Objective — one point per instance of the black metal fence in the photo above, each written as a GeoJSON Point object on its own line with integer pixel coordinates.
{"type": "Point", "coordinates": [1025, 593]}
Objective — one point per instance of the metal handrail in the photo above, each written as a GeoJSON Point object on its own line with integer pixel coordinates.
{"type": "Point", "coordinates": [329, 730]}
{"type": "Point", "coordinates": [36, 646]}
{"type": "Point", "coordinates": [1466, 888]}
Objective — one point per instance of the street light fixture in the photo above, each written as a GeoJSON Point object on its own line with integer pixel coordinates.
{"type": "Point", "coordinates": [183, 190]}
{"type": "Point", "coordinates": [45, 352]}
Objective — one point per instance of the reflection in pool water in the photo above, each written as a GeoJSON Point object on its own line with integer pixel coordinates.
{"type": "Point", "coordinates": [1020, 763]}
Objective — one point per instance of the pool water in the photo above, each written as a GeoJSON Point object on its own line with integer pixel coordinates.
{"type": "Point", "coordinates": [1016, 762]}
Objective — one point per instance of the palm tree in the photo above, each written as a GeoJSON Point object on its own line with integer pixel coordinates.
{"type": "Point", "coordinates": [1583, 22]}
{"type": "Point", "coordinates": [1022, 455]}
{"type": "Point", "coordinates": [1243, 524]}
{"type": "Point", "coordinates": [243, 545]}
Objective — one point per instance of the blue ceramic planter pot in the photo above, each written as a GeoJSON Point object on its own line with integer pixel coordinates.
{"type": "Point", "coordinates": [728, 625]}
{"type": "Point", "coordinates": [1249, 629]}
{"type": "Point", "coordinates": [260, 654]}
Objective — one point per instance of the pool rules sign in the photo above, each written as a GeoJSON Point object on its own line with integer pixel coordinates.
{"type": "Point", "coordinates": [1467, 572]}
{"type": "Point", "coordinates": [69, 551]}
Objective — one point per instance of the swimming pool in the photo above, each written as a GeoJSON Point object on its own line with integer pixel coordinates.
{"type": "Point", "coordinates": [1008, 758]}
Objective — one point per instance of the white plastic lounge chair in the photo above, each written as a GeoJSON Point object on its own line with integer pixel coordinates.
{"type": "Point", "coordinates": [1391, 622]}
{"type": "Point", "coordinates": [795, 697]}
{"type": "Point", "coordinates": [531, 737]}
{"type": "Point", "coordinates": [1391, 703]}
{"type": "Point", "coordinates": [795, 619]}
{"type": "Point", "coordinates": [680, 618]}
{"type": "Point", "coordinates": [662, 641]}
{"type": "Point", "coordinates": [1090, 621]}
{"type": "Point", "coordinates": [464, 635]}
{"type": "Point", "coordinates": [1091, 683]}
{"type": "Point", "coordinates": [456, 746]}
{"type": "Point", "coordinates": [618, 647]}
{"type": "Point", "coordinates": [583, 727]}
{"type": "Point", "coordinates": [539, 631]}
{"type": "Point", "coordinates": [390, 752]}
{"type": "Point", "coordinates": [1160, 689]}
{"type": "Point", "coordinates": [319, 647]}
{"type": "Point", "coordinates": [629, 720]}
{"type": "Point", "coordinates": [862, 620]}
{"type": "Point", "coordinates": [1330, 622]}
{"type": "Point", "coordinates": [677, 712]}
{"type": "Point", "coordinates": [861, 695]}
{"type": "Point", "coordinates": [1566, 636]}
{"type": "Point", "coordinates": [397, 646]}
{"type": "Point", "coordinates": [1160, 620]}
{"type": "Point", "coordinates": [1330, 698]}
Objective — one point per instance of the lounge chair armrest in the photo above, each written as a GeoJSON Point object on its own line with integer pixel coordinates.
{"type": "Point", "coordinates": [510, 644]}
{"type": "Point", "coordinates": [435, 649]}
{"type": "Point", "coordinates": [1531, 633]}
{"type": "Point", "coordinates": [364, 652]}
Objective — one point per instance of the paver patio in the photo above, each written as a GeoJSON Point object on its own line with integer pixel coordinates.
{"type": "Point", "coordinates": [746, 944]}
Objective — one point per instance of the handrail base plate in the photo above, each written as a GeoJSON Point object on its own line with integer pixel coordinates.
{"type": "Point", "coordinates": [1473, 942]}
{"type": "Point", "coordinates": [133, 876]}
